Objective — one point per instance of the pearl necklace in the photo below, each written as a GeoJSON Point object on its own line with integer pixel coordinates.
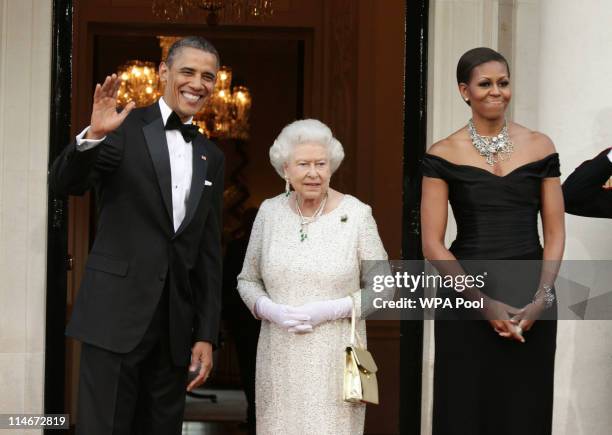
{"type": "Point", "coordinates": [493, 148]}
{"type": "Point", "coordinates": [307, 220]}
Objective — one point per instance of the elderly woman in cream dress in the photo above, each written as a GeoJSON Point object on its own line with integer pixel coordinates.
{"type": "Point", "coordinates": [300, 276]}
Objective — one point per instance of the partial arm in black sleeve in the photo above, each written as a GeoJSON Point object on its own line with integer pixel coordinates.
{"type": "Point", "coordinates": [583, 192]}
{"type": "Point", "coordinates": [209, 274]}
{"type": "Point", "coordinates": [74, 172]}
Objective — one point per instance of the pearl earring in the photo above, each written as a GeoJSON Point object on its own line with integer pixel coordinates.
{"type": "Point", "coordinates": [287, 187]}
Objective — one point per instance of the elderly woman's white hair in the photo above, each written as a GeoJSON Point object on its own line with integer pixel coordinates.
{"type": "Point", "coordinates": [305, 131]}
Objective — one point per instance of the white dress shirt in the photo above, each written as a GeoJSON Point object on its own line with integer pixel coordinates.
{"type": "Point", "coordinates": [181, 166]}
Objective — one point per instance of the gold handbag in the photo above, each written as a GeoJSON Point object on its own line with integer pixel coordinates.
{"type": "Point", "coordinates": [360, 384]}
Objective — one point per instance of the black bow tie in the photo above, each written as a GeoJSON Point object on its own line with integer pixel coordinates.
{"type": "Point", "coordinates": [189, 131]}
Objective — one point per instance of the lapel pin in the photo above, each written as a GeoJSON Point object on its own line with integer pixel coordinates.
{"type": "Point", "coordinates": [203, 157]}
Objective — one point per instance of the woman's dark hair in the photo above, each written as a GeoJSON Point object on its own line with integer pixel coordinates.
{"type": "Point", "coordinates": [474, 57]}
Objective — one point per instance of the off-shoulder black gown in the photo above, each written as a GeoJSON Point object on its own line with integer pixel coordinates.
{"type": "Point", "coordinates": [485, 384]}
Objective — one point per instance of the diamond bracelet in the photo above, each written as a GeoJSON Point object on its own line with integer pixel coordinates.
{"type": "Point", "coordinates": [546, 294]}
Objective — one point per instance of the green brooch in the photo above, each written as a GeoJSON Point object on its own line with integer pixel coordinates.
{"type": "Point", "coordinates": [343, 218]}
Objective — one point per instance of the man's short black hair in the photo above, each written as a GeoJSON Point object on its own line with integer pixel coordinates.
{"type": "Point", "coordinates": [196, 42]}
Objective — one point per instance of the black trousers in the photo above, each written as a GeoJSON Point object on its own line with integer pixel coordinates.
{"type": "Point", "coordinates": [136, 393]}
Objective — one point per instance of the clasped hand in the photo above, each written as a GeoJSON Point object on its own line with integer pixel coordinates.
{"type": "Point", "coordinates": [526, 316]}
{"type": "Point", "coordinates": [510, 322]}
{"type": "Point", "coordinates": [499, 316]}
{"type": "Point", "coordinates": [304, 318]}
{"type": "Point", "coordinates": [285, 316]}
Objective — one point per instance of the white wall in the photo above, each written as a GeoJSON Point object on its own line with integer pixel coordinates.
{"type": "Point", "coordinates": [25, 65]}
{"type": "Point", "coordinates": [575, 110]}
{"type": "Point", "coordinates": [560, 54]}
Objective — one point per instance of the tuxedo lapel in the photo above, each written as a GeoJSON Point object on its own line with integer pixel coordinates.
{"type": "Point", "coordinates": [198, 178]}
{"type": "Point", "coordinates": [155, 137]}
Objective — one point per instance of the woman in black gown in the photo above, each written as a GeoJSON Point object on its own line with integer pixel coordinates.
{"type": "Point", "coordinates": [494, 375]}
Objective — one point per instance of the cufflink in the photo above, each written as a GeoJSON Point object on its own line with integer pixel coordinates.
{"type": "Point", "coordinates": [207, 183]}
{"type": "Point", "coordinates": [203, 157]}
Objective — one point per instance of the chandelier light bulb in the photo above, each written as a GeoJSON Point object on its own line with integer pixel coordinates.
{"type": "Point", "coordinates": [139, 83]}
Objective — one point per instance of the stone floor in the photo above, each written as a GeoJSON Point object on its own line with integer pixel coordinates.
{"type": "Point", "coordinates": [203, 428]}
{"type": "Point", "coordinates": [224, 416]}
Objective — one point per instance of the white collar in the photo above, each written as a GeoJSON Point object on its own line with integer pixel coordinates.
{"type": "Point", "coordinates": [166, 111]}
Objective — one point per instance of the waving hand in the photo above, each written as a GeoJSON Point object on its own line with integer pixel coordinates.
{"type": "Point", "coordinates": [104, 115]}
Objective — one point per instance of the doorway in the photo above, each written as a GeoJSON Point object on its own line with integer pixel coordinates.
{"type": "Point", "coordinates": [327, 46]}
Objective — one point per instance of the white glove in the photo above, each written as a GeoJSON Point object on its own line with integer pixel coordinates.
{"type": "Point", "coordinates": [285, 316]}
{"type": "Point", "coordinates": [325, 311]}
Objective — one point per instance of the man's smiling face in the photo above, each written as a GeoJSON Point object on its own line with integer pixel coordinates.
{"type": "Point", "coordinates": [189, 80]}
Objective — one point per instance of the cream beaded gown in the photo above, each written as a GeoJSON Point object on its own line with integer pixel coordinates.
{"type": "Point", "coordinates": [299, 376]}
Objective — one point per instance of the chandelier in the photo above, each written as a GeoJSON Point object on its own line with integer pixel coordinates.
{"type": "Point", "coordinates": [225, 114]}
{"type": "Point", "coordinates": [217, 10]}
{"type": "Point", "coordinates": [139, 83]}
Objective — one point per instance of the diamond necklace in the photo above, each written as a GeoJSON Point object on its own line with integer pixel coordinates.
{"type": "Point", "coordinates": [306, 220]}
{"type": "Point", "coordinates": [493, 148]}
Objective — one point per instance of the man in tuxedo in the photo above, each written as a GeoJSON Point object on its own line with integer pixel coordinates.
{"type": "Point", "coordinates": [583, 190]}
{"type": "Point", "coordinates": [149, 302]}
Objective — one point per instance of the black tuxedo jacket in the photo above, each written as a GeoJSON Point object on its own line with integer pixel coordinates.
{"type": "Point", "coordinates": [583, 192]}
{"type": "Point", "coordinates": [136, 250]}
